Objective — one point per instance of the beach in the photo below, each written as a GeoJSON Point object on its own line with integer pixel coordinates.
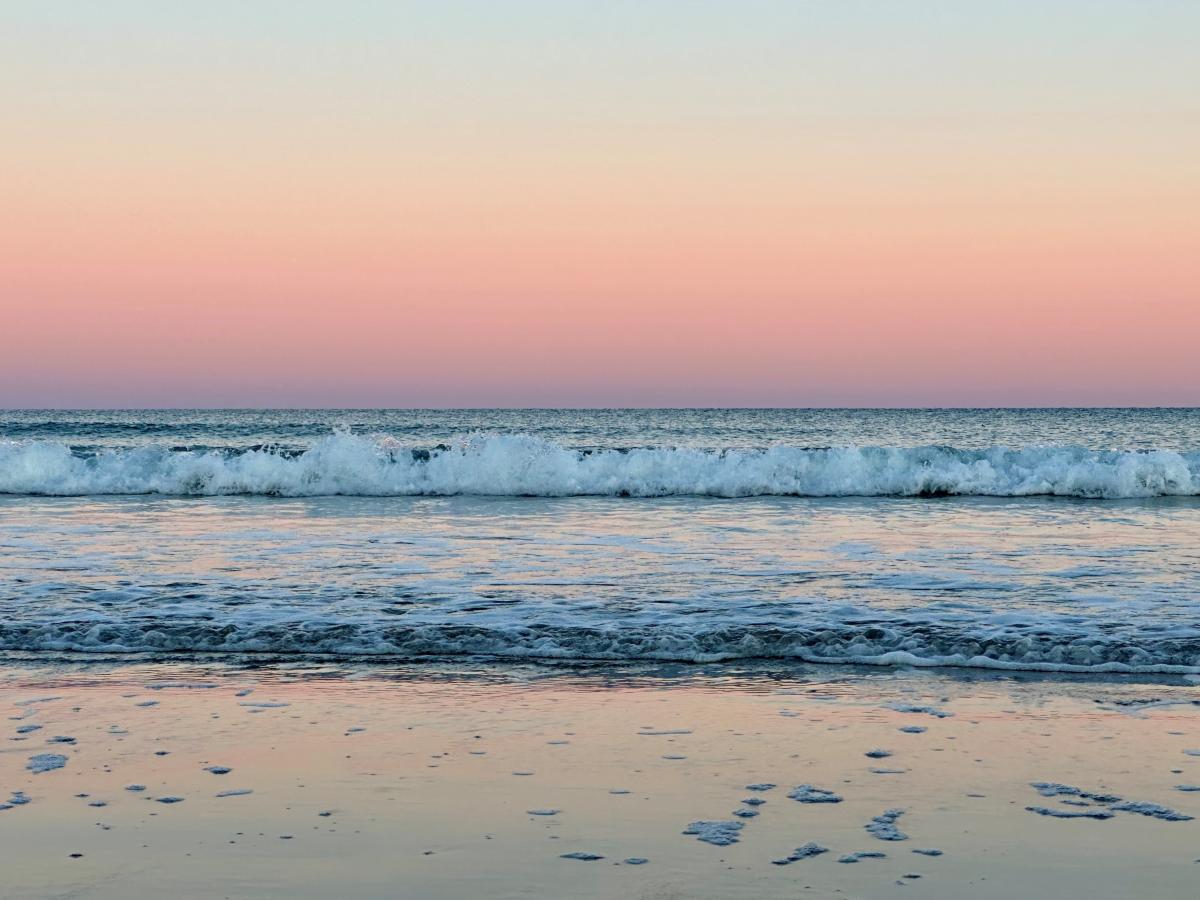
{"type": "Point", "coordinates": [599, 654]}
{"type": "Point", "coordinates": [265, 779]}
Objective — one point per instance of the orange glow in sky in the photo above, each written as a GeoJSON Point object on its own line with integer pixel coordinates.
{"type": "Point", "coordinates": [668, 203]}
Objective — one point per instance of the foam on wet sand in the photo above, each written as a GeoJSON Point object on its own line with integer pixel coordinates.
{"type": "Point", "coordinates": [883, 826]}
{"type": "Point", "coordinates": [720, 832]}
{"type": "Point", "coordinates": [45, 762]}
{"type": "Point", "coordinates": [807, 793]}
{"type": "Point", "coordinates": [805, 851]}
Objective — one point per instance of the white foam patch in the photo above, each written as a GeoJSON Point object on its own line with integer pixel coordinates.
{"type": "Point", "coordinates": [1055, 789]}
{"type": "Point", "coordinates": [1070, 813]}
{"type": "Point", "coordinates": [805, 851]}
{"type": "Point", "coordinates": [18, 798]}
{"type": "Point", "coordinates": [807, 793]}
{"type": "Point", "coordinates": [883, 826]}
{"type": "Point", "coordinates": [861, 855]}
{"type": "Point", "coordinates": [926, 710]}
{"type": "Point", "coordinates": [45, 762]}
{"type": "Point", "coordinates": [720, 833]}
{"type": "Point", "coordinates": [1153, 810]}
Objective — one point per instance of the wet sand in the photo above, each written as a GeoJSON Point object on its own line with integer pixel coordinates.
{"type": "Point", "coordinates": [217, 781]}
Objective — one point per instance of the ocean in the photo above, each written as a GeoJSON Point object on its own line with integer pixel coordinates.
{"type": "Point", "coordinates": [1060, 540]}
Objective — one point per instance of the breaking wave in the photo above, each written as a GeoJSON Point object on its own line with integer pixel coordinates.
{"type": "Point", "coordinates": [521, 465]}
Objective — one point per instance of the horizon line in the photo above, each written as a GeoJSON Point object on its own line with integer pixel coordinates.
{"type": "Point", "coordinates": [898, 408]}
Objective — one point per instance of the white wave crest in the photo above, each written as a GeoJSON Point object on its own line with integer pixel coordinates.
{"type": "Point", "coordinates": [521, 465]}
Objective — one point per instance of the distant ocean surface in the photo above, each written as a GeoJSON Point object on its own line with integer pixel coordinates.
{"type": "Point", "coordinates": [1053, 540]}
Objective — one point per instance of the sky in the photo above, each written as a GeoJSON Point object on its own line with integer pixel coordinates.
{"type": "Point", "coordinates": [564, 203]}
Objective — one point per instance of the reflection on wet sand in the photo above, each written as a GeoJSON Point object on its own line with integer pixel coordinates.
{"type": "Point", "coordinates": [311, 781]}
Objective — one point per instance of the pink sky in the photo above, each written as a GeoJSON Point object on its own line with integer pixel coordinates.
{"type": "Point", "coordinates": [255, 235]}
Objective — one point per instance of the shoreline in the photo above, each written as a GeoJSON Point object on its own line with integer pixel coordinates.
{"type": "Point", "coordinates": [899, 663]}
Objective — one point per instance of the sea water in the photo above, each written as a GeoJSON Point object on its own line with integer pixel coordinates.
{"type": "Point", "coordinates": [1061, 540]}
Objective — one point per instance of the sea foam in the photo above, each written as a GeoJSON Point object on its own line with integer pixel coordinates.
{"type": "Point", "coordinates": [521, 465]}
{"type": "Point", "coordinates": [898, 643]}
